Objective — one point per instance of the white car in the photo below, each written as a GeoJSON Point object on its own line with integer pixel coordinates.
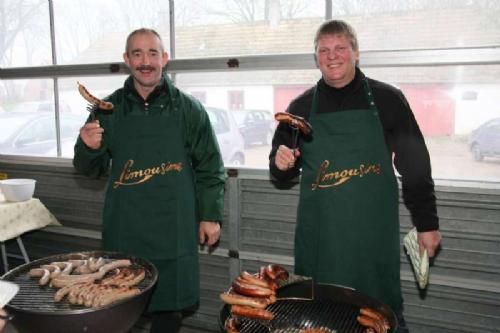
{"type": "Point", "coordinates": [229, 137]}
{"type": "Point", "coordinates": [34, 133]}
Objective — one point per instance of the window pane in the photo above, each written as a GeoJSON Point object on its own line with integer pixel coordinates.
{"type": "Point", "coordinates": [69, 96]}
{"type": "Point", "coordinates": [224, 28]}
{"type": "Point", "coordinates": [27, 118]}
{"type": "Point", "coordinates": [24, 33]}
{"type": "Point", "coordinates": [95, 31]}
{"type": "Point", "coordinates": [250, 122]}
{"type": "Point", "coordinates": [450, 103]}
{"type": "Point", "coordinates": [392, 25]}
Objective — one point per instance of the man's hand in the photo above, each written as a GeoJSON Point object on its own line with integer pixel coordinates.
{"type": "Point", "coordinates": [91, 134]}
{"type": "Point", "coordinates": [285, 157]}
{"type": "Point", "coordinates": [3, 322]}
{"type": "Point", "coordinates": [430, 241]}
{"type": "Point", "coordinates": [209, 232]}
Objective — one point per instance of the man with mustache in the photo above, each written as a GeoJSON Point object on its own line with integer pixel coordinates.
{"type": "Point", "coordinates": [166, 180]}
{"type": "Point", "coordinates": [347, 229]}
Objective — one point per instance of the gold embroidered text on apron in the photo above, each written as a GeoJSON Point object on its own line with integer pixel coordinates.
{"type": "Point", "coordinates": [129, 176]}
{"type": "Point", "coordinates": [325, 179]}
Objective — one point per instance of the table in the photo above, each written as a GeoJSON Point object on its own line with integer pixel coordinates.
{"type": "Point", "coordinates": [16, 218]}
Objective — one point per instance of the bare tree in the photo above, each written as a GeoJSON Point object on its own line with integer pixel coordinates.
{"type": "Point", "coordinates": [15, 19]}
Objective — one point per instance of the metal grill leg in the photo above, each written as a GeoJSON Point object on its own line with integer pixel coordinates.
{"type": "Point", "coordinates": [23, 250]}
{"type": "Point", "coordinates": [4, 258]}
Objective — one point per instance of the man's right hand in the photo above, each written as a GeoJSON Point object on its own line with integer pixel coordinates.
{"type": "Point", "coordinates": [91, 134]}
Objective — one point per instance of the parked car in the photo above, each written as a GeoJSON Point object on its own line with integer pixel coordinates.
{"type": "Point", "coordinates": [34, 133]}
{"type": "Point", "coordinates": [485, 140]}
{"type": "Point", "coordinates": [230, 140]}
{"type": "Point", "coordinates": [256, 126]}
{"type": "Point", "coordinates": [39, 106]}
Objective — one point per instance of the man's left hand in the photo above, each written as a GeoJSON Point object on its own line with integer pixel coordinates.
{"type": "Point", "coordinates": [209, 233]}
{"type": "Point", "coordinates": [430, 241]}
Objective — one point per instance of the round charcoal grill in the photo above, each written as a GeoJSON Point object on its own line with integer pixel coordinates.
{"type": "Point", "coordinates": [333, 307]}
{"type": "Point", "coordinates": [34, 309]}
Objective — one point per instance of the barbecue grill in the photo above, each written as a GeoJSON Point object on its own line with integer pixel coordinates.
{"type": "Point", "coordinates": [333, 307]}
{"type": "Point", "coordinates": [34, 310]}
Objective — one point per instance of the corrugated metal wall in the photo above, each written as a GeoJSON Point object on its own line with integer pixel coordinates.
{"type": "Point", "coordinates": [464, 290]}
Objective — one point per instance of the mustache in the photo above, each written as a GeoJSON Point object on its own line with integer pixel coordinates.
{"type": "Point", "coordinates": [145, 68]}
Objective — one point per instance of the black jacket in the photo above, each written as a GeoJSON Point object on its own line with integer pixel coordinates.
{"type": "Point", "coordinates": [402, 136]}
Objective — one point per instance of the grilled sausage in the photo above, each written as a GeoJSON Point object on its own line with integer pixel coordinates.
{"type": "Point", "coordinates": [45, 277]}
{"type": "Point", "coordinates": [92, 99]}
{"type": "Point", "coordinates": [117, 295]}
{"type": "Point", "coordinates": [370, 322]}
{"type": "Point", "coordinates": [36, 272]}
{"type": "Point", "coordinates": [294, 121]}
{"type": "Point", "coordinates": [235, 299]}
{"type": "Point", "coordinates": [243, 288]}
{"type": "Point", "coordinates": [252, 279]}
{"type": "Point", "coordinates": [372, 313]}
{"type": "Point", "coordinates": [249, 312]}
{"type": "Point", "coordinates": [115, 264]}
{"type": "Point", "coordinates": [62, 292]}
{"type": "Point", "coordinates": [231, 326]}
{"type": "Point", "coordinates": [280, 272]}
{"type": "Point", "coordinates": [54, 270]}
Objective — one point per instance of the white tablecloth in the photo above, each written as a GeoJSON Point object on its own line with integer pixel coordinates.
{"type": "Point", "coordinates": [17, 218]}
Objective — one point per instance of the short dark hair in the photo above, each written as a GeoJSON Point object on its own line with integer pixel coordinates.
{"type": "Point", "coordinates": [334, 27]}
{"type": "Point", "coordinates": [143, 31]}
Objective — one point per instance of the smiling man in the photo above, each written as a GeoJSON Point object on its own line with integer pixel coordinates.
{"type": "Point", "coordinates": [347, 230]}
{"type": "Point", "coordinates": [166, 180]}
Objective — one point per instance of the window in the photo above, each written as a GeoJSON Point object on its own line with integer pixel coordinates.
{"type": "Point", "coordinates": [449, 72]}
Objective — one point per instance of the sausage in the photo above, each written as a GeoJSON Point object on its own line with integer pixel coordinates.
{"type": "Point", "coordinates": [279, 272]}
{"type": "Point", "coordinates": [252, 279]}
{"type": "Point", "coordinates": [61, 281]}
{"type": "Point", "coordinates": [136, 279]}
{"type": "Point", "coordinates": [294, 121]}
{"type": "Point", "coordinates": [92, 99]}
{"type": "Point", "coordinates": [65, 266]}
{"type": "Point", "coordinates": [65, 280]}
{"type": "Point", "coordinates": [115, 264]}
{"type": "Point", "coordinates": [235, 299]}
{"type": "Point", "coordinates": [372, 313]}
{"type": "Point", "coordinates": [246, 289]}
{"type": "Point", "coordinates": [117, 295]}
{"type": "Point", "coordinates": [61, 293]}
{"type": "Point", "coordinates": [45, 277]}
{"type": "Point", "coordinates": [269, 271]}
{"type": "Point", "coordinates": [231, 326]}
{"type": "Point", "coordinates": [36, 272]}
{"type": "Point", "coordinates": [54, 270]}
{"type": "Point", "coordinates": [252, 313]}
{"type": "Point", "coordinates": [371, 323]}
{"type": "Point", "coordinates": [67, 269]}
{"type": "Point", "coordinates": [77, 262]}
{"type": "Point", "coordinates": [126, 277]}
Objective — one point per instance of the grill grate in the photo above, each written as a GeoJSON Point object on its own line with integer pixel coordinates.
{"type": "Point", "coordinates": [40, 299]}
{"type": "Point", "coordinates": [290, 316]}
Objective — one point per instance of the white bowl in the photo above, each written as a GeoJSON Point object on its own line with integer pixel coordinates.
{"type": "Point", "coordinates": [17, 189]}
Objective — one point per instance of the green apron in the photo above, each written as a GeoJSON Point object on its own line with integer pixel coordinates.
{"type": "Point", "coordinates": [150, 200]}
{"type": "Point", "coordinates": [348, 224]}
